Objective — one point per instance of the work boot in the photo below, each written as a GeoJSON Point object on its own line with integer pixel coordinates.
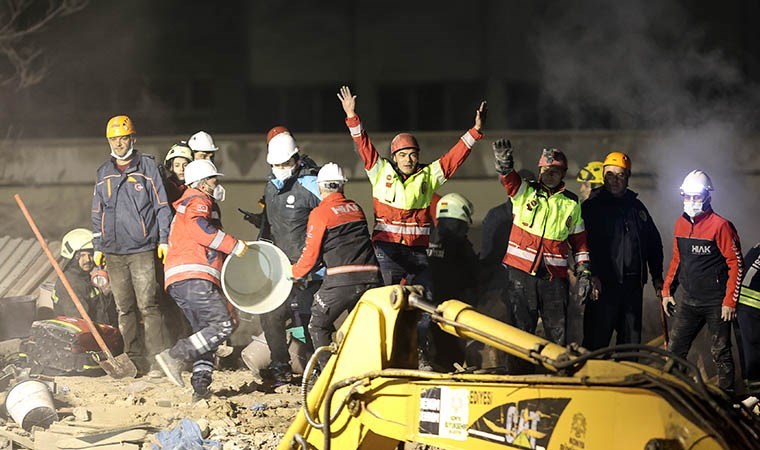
{"type": "Point", "coordinates": [277, 374]}
{"type": "Point", "coordinates": [171, 366]}
{"type": "Point", "coordinates": [202, 394]}
{"type": "Point", "coordinates": [201, 380]}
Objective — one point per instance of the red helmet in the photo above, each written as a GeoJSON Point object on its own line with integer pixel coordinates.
{"type": "Point", "coordinates": [553, 157]}
{"type": "Point", "coordinates": [403, 141]}
{"type": "Point", "coordinates": [275, 131]}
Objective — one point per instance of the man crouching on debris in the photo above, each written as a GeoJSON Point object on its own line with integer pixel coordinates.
{"type": "Point", "coordinates": [197, 248]}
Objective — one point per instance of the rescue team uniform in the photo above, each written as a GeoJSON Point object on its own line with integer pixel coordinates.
{"type": "Point", "coordinates": [338, 237]}
{"type": "Point", "coordinates": [748, 317]}
{"type": "Point", "coordinates": [287, 207]}
{"type": "Point", "coordinates": [197, 249]}
{"type": "Point", "coordinates": [707, 262]}
{"type": "Point", "coordinates": [130, 217]}
{"type": "Point", "coordinates": [545, 226]}
{"type": "Point", "coordinates": [401, 203]}
{"type": "Point", "coordinates": [100, 307]}
{"type": "Point", "coordinates": [624, 241]}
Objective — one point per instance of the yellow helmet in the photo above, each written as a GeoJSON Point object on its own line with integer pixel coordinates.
{"type": "Point", "coordinates": [618, 159]}
{"type": "Point", "coordinates": [592, 173]}
{"type": "Point", "coordinates": [119, 126]}
{"type": "Point", "coordinates": [75, 240]}
{"type": "Point", "coordinates": [454, 206]}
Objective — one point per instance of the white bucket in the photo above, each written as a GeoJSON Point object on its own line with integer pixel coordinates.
{"type": "Point", "coordinates": [258, 282]}
{"type": "Point", "coordinates": [30, 403]}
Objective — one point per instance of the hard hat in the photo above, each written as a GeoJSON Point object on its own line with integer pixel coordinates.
{"type": "Point", "coordinates": [202, 142]}
{"type": "Point", "coordinates": [618, 159]}
{"type": "Point", "coordinates": [199, 170]}
{"type": "Point", "coordinates": [281, 146]}
{"type": "Point", "coordinates": [592, 173]}
{"type": "Point", "coordinates": [179, 150]}
{"type": "Point", "coordinates": [454, 206]}
{"type": "Point", "coordinates": [696, 182]}
{"type": "Point", "coordinates": [403, 141]}
{"type": "Point", "coordinates": [75, 240]}
{"type": "Point", "coordinates": [331, 172]}
{"type": "Point", "coordinates": [119, 126]}
{"type": "Point", "coordinates": [552, 157]}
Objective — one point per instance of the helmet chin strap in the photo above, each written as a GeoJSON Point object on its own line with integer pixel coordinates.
{"type": "Point", "coordinates": [126, 155]}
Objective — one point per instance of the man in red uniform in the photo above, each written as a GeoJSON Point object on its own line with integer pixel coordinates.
{"type": "Point", "coordinates": [707, 261]}
{"type": "Point", "coordinates": [336, 236]}
{"type": "Point", "coordinates": [197, 249]}
{"type": "Point", "coordinates": [402, 190]}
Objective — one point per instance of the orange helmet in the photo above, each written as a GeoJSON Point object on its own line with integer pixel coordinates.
{"type": "Point", "coordinates": [553, 157]}
{"type": "Point", "coordinates": [119, 126]}
{"type": "Point", "coordinates": [275, 131]}
{"type": "Point", "coordinates": [618, 159]}
{"type": "Point", "coordinates": [403, 141]}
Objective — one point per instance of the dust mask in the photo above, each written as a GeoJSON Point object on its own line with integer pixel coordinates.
{"type": "Point", "coordinates": [282, 174]}
{"type": "Point", "coordinates": [219, 193]}
{"type": "Point", "coordinates": [693, 208]}
{"type": "Point", "coordinates": [126, 155]}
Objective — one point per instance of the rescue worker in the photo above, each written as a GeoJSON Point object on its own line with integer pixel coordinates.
{"type": "Point", "coordinates": [76, 248]}
{"type": "Point", "coordinates": [454, 266]}
{"type": "Point", "coordinates": [748, 318]}
{"type": "Point", "coordinates": [337, 238]}
{"type": "Point", "coordinates": [624, 242]}
{"type": "Point", "coordinates": [192, 271]}
{"type": "Point", "coordinates": [707, 262]}
{"type": "Point", "coordinates": [178, 157]}
{"type": "Point", "coordinates": [402, 190]}
{"type": "Point", "coordinates": [547, 222]}
{"type": "Point", "coordinates": [202, 145]}
{"type": "Point", "coordinates": [130, 223]}
{"type": "Point", "coordinates": [590, 177]}
{"type": "Point", "coordinates": [290, 195]}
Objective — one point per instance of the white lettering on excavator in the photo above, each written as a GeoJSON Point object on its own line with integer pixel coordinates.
{"type": "Point", "coordinates": [519, 421]}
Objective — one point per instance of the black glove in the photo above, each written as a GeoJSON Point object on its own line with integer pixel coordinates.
{"type": "Point", "coordinates": [583, 276]}
{"type": "Point", "coordinates": [502, 151]}
{"type": "Point", "coordinates": [254, 218]}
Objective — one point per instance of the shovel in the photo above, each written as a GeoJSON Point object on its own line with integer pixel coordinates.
{"type": "Point", "coordinates": [116, 367]}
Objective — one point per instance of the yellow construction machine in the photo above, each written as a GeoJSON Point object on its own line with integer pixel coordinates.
{"type": "Point", "coordinates": [369, 396]}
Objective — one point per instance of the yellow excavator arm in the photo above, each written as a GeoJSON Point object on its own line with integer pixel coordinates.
{"type": "Point", "coordinates": [369, 396]}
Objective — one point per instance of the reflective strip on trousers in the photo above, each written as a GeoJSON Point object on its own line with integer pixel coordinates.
{"type": "Point", "coordinates": [176, 270]}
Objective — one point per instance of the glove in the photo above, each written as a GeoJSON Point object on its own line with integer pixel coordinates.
{"type": "Point", "coordinates": [240, 248]}
{"type": "Point", "coordinates": [502, 152]}
{"type": "Point", "coordinates": [162, 251]}
{"type": "Point", "coordinates": [252, 218]}
{"type": "Point", "coordinates": [99, 258]}
{"type": "Point", "coordinates": [299, 283]}
{"type": "Point", "coordinates": [583, 276]}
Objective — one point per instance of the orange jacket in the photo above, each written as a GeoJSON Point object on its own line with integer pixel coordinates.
{"type": "Point", "coordinates": [197, 244]}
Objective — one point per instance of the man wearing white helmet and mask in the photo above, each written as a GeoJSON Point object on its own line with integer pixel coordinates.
{"type": "Point", "coordinates": [197, 249]}
{"type": "Point", "coordinates": [707, 262]}
{"type": "Point", "coordinates": [202, 145]}
{"type": "Point", "coordinates": [338, 238]}
{"type": "Point", "coordinates": [290, 195]}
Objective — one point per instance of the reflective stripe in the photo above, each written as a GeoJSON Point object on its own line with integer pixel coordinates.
{"type": "Point", "coordinates": [402, 229]}
{"type": "Point", "coordinates": [181, 209]}
{"type": "Point", "coordinates": [520, 253]}
{"type": "Point", "coordinates": [218, 239]}
{"type": "Point", "coordinates": [750, 274]}
{"type": "Point", "coordinates": [750, 297]}
{"type": "Point", "coordinates": [356, 131]}
{"type": "Point", "coordinates": [469, 141]}
{"type": "Point", "coordinates": [199, 342]}
{"type": "Point", "coordinates": [176, 270]}
{"type": "Point", "coordinates": [582, 257]}
{"type": "Point", "coordinates": [352, 268]}
{"type": "Point", "coordinates": [559, 262]}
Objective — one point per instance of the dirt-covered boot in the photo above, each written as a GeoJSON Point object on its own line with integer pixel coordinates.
{"type": "Point", "coordinates": [171, 366]}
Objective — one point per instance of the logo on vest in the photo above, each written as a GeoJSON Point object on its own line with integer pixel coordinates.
{"type": "Point", "coordinates": [344, 209]}
{"type": "Point", "coordinates": [701, 250]}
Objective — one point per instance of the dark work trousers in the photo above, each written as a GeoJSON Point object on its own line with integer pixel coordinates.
{"type": "Point", "coordinates": [329, 304]}
{"type": "Point", "coordinates": [688, 322]}
{"type": "Point", "coordinates": [398, 262]}
{"type": "Point", "coordinates": [748, 319]}
{"type": "Point", "coordinates": [298, 308]}
{"type": "Point", "coordinates": [205, 308]}
{"type": "Point", "coordinates": [531, 296]}
{"type": "Point", "coordinates": [134, 287]}
{"type": "Point", "coordinates": [617, 309]}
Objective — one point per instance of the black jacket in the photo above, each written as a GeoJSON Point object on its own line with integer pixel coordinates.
{"type": "Point", "coordinates": [622, 237]}
{"type": "Point", "coordinates": [453, 262]}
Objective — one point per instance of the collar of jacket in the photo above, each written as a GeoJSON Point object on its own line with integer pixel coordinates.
{"type": "Point", "coordinates": [402, 176]}
{"type": "Point", "coordinates": [132, 165]}
{"type": "Point", "coordinates": [545, 189]}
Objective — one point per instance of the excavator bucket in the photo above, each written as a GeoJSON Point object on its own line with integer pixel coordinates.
{"type": "Point", "coordinates": [118, 366]}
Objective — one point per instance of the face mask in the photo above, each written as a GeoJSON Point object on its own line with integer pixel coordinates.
{"type": "Point", "coordinates": [219, 193]}
{"type": "Point", "coordinates": [126, 155]}
{"type": "Point", "coordinates": [693, 208]}
{"type": "Point", "coordinates": [282, 174]}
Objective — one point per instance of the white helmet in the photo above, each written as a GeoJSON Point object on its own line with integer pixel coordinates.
{"type": "Point", "coordinates": [696, 182]}
{"type": "Point", "coordinates": [281, 147]}
{"type": "Point", "coordinates": [331, 172]}
{"type": "Point", "coordinates": [75, 240]}
{"type": "Point", "coordinates": [202, 142]}
{"type": "Point", "coordinates": [199, 170]}
{"type": "Point", "coordinates": [454, 206]}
